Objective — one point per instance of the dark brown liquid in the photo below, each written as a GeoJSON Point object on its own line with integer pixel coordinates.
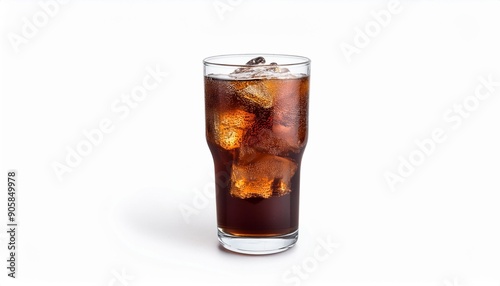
{"type": "Point", "coordinates": [274, 129]}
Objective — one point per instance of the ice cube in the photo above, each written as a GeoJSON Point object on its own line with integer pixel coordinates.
{"type": "Point", "coordinates": [230, 127]}
{"type": "Point", "coordinates": [256, 69]}
{"type": "Point", "coordinates": [287, 102]}
{"type": "Point", "coordinates": [256, 61]}
{"type": "Point", "coordinates": [257, 93]}
{"type": "Point", "coordinates": [288, 135]}
{"type": "Point", "coordinates": [289, 114]}
{"type": "Point", "coordinates": [245, 72]}
{"type": "Point", "coordinates": [276, 140]}
{"type": "Point", "coordinates": [280, 187]}
{"type": "Point", "coordinates": [273, 70]}
{"type": "Point", "coordinates": [262, 72]}
{"type": "Point", "coordinates": [257, 188]}
{"type": "Point", "coordinates": [266, 176]}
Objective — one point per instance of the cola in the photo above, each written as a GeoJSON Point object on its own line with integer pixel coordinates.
{"type": "Point", "coordinates": [256, 129]}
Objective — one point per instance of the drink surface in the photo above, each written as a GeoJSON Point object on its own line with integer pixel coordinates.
{"type": "Point", "coordinates": [257, 131]}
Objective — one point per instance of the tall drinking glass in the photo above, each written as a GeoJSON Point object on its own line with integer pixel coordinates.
{"type": "Point", "coordinates": [256, 112]}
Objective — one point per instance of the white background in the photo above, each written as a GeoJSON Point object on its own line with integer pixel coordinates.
{"type": "Point", "coordinates": [115, 218]}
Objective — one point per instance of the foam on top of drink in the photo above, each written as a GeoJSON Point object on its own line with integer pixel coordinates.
{"type": "Point", "coordinates": [256, 68]}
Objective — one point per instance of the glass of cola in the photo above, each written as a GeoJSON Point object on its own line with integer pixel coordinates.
{"type": "Point", "coordinates": [256, 112]}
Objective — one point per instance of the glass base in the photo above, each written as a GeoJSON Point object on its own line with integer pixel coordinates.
{"type": "Point", "coordinates": [257, 245]}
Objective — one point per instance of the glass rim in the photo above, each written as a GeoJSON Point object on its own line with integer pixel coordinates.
{"type": "Point", "coordinates": [209, 61]}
